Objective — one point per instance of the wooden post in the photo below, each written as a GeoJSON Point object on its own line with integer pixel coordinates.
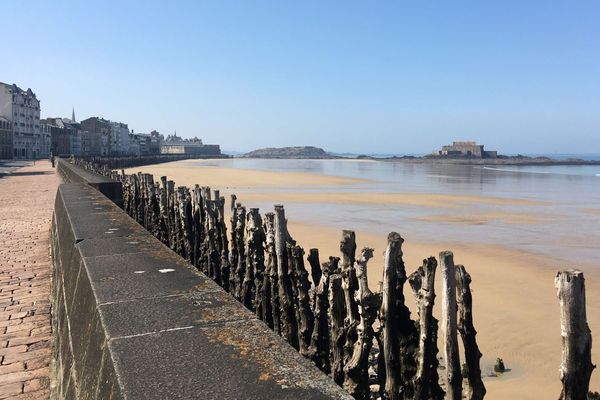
{"type": "Point", "coordinates": [349, 282]}
{"type": "Point", "coordinates": [576, 366]}
{"type": "Point", "coordinates": [271, 266]}
{"type": "Point", "coordinates": [306, 318]}
{"type": "Point", "coordinates": [315, 266]}
{"type": "Point", "coordinates": [453, 375]}
{"type": "Point", "coordinates": [476, 388]}
{"type": "Point", "coordinates": [222, 267]}
{"type": "Point", "coordinates": [258, 262]}
{"type": "Point", "coordinates": [357, 368]}
{"type": "Point", "coordinates": [388, 315]}
{"type": "Point", "coordinates": [255, 261]}
{"type": "Point", "coordinates": [289, 324]}
{"type": "Point", "coordinates": [337, 332]}
{"type": "Point", "coordinates": [240, 269]}
{"type": "Point", "coordinates": [319, 344]}
{"type": "Point", "coordinates": [234, 254]}
{"type": "Point", "coordinates": [426, 379]}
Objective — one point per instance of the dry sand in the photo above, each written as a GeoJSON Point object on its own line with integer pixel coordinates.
{"type": "Point", "coordinates": [516, 311]}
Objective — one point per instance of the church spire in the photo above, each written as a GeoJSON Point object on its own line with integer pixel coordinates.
{"type": "Point", "coordinates": [73, 115]}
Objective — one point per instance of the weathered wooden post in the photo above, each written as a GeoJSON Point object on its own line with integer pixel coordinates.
{"type": "Point", "coordinates": [357, 368]}
{"type": "Point", "coordinates": [388, 315]}
{"type": "Point", "coordinates": [476, 388]}
{"type": "Point", "coordinates": [576, 366]}
{"type": "Point", "coordinates": [253, 249]}
{"type": "Point", "coordinates": [453, 375]}
{"type": "Point", "coordinates": [315, 265]}
{"type": "Point", "coordinates": [237, 277]}
{"type": "Point", "coordinates": [306, 318]}
{"type": "Point", "coordinates": [198, 226]}
{"type": "Point", "coordinates": [319, 345]}
{"type": "Point", "coordinates": [223, 267]}
{"type": "Point", "coordinates": [171, 213]}
{"type": "Point", "coordinates": [271, 267]}
{"type": "Point", "coordinates": [426, 379]}
{"type": "Point", "coordinates": [336, 331]}
{"type": "Point", "coordinates": [349, 283]}
{"type": "Point", "coordinates": [289, 325]}
{"type": "Point", "coordinates": [234, 253]}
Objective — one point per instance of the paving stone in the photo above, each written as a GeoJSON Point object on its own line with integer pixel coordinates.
{"type": "Point", "coordinates": [26, 205]}
{"type": "Point", "coordinates": [9, 390]}
{"type": "Point", "coordinates": [35, 385]}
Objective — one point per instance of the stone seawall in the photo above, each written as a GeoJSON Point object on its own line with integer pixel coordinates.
{"type": "Point", "coordinates": [134, 320]}
{"type": "Point", "coordinates": [132, 161]}
{"type": "Point", "coordinates": [108, 187]}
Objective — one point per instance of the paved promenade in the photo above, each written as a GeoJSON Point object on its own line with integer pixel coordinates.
{"type": "Point", "coordinates": [26, 203]}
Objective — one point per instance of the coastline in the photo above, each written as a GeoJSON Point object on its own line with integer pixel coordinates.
{"type": "Point", "coordinates": [501, 160]}
{"type": "Point", "coordinates": [515, 306]}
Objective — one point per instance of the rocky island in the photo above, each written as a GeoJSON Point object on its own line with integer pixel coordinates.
{"type": "Point", "coordinates": [289, 152]}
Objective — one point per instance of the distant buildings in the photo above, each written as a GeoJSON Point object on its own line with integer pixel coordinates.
{"type": "Point", "coordinates": [174, 144]}
{"type": "Point", "coordinates": [465, 149]}
{"type": "Point", "coordinates": [143, 144]}
{"type": "Point", "coordinates": [24, 136]}
{"type": "Point", "coordinates": [21, 109]}
{"type": "Point", "coordinates": [119, 138]}
{"type": "Point", "coordinates": [6, 139]}
{"type": "Point", "coordinates": [95, 136]}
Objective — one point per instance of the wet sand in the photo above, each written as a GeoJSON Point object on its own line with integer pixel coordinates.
{"type": "Point", "coordinates": [486, 218]}
{"type": "Point", "coordinates": [225, 178]}
{"type": "Point", "coordinates": [516, 311]}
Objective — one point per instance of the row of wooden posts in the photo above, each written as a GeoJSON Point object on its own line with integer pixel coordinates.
{"type": "Point", "coordinates": [364, 340]}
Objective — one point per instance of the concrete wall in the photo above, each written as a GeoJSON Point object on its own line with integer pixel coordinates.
{"type": "Point", "coordinates": [108, 187]}
{"type": "Point", "coordinates": [133, 161]}
{"type": "Point", "coordinates": [134, 320]}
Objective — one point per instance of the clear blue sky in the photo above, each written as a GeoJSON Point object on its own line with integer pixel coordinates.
{"type": "Point", "coordinates": [364, 76]}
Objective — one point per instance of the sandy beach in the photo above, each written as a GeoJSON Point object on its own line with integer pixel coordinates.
{"type": "Point", "coordinates": [516, 311]}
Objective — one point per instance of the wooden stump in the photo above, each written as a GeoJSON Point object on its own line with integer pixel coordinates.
{"type": "Point", "coordinates": [453, 376]}
{"type": "Point", "coordinates": [357, 368]}
{"type": "Point", "coordinates": [306, 317]}
{"type": "Point", "coordinates": [476, 388]}
{"type": "Point", "coordinates": [426, 378]}
{"type": "Point", "coordinates": [336, 329]}
{"type": "Point", "coordinates": [319, 344]}
{"type": "Point", "coordinates": [271, 305]}
{"type": "Point", "coordinates": [289, 324]}
{"type": "Point", "coordinates": [576, 366]}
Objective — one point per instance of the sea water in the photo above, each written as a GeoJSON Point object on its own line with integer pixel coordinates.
{"type": "Point", "coordinates": [560, 212]}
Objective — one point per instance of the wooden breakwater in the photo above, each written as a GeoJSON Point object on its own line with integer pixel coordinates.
{"type": "Point", "coordinates": [118, 162]}
{"type": "Point", "coordinates": [366, 341]}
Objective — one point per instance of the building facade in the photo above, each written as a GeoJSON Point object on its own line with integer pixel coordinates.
{"type": "Point", "coordinates": [60, 139]}
{"type": "Point", "coordinates": [95, 137]}
{"type": "Point", "coordinates": [119, 138]}
{"type": "Point", "coordinates": [174, 144]}
{"type": "Point", "coordinates": [6, 139]}
{"type": "Point", "coordinates": [44, 140]}
{"type": "Point", "coordinates": [465, 149]}
{"type": "Point", "coordinates": [22, 109]}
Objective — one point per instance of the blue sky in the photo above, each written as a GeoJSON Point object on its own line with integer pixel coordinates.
{"type": "Point", "coordinates": [348, 76]}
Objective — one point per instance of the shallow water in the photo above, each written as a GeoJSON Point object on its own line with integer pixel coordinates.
{"type": "Point", "coordinates": [562, 223]}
